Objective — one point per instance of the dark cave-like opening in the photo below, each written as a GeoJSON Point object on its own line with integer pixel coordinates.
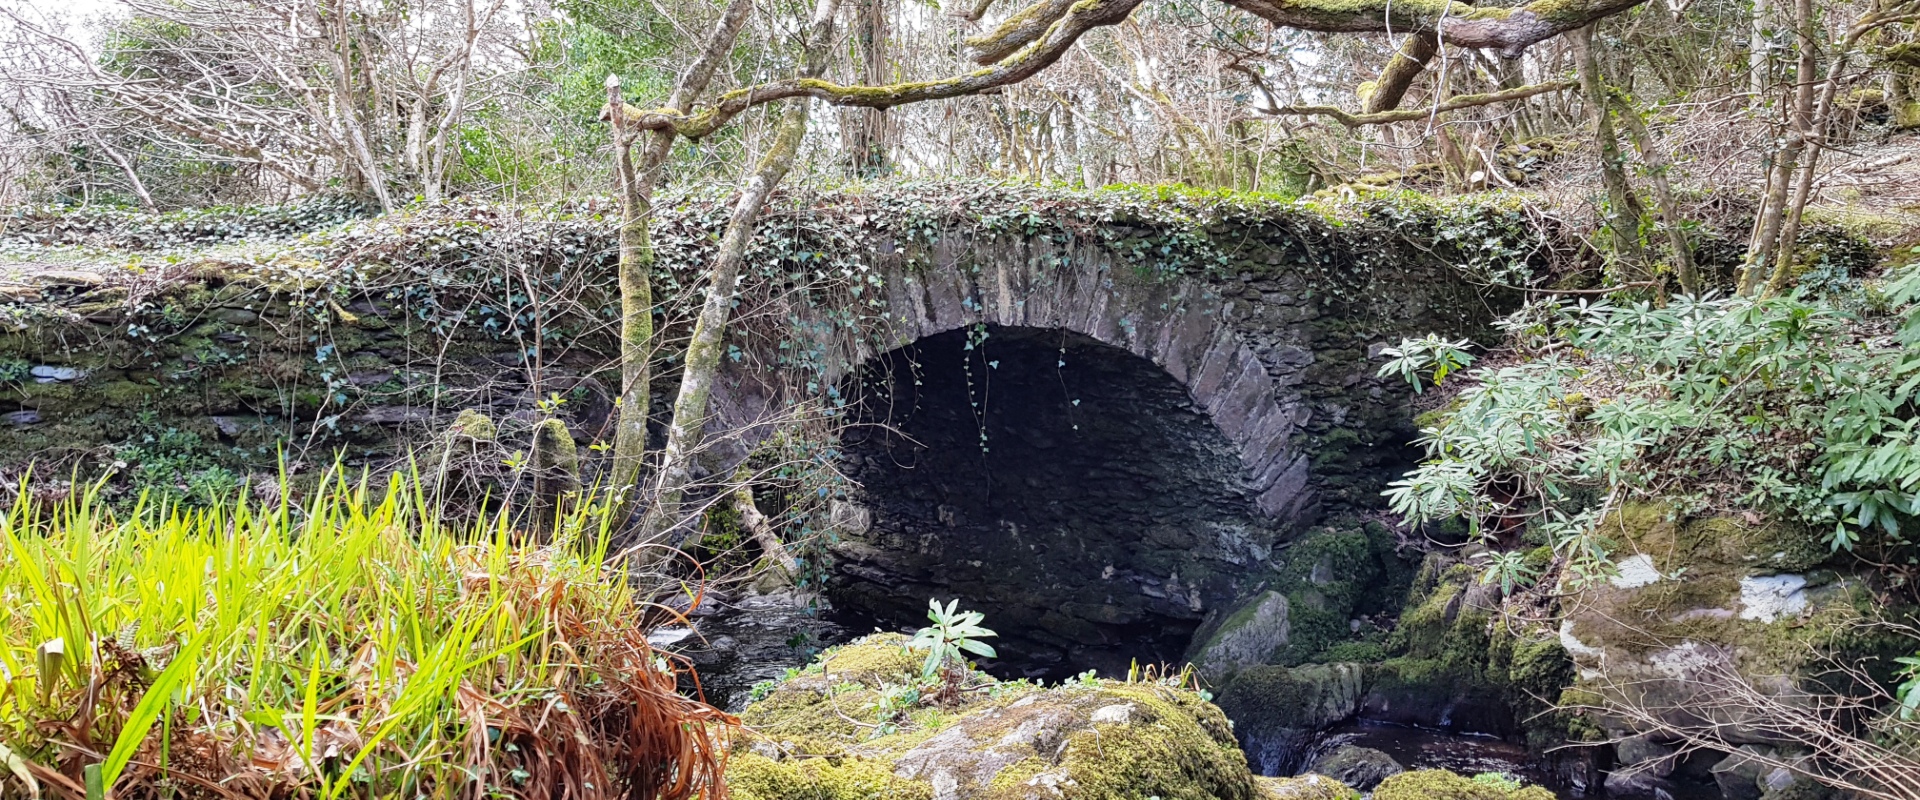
{"type": "Point", "coordinates": [1068, 489]}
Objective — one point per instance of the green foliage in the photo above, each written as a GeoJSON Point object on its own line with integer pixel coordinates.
{"type": "Point", "coordinates": [1796, 406]}
{"type": "Point", "coordinates": [1908, 692]}
{"type": "Point", "coordinates": [1499, 780]}
{"type": "Point", "coordinates": [346, 642]}
{"type": "Point", "coordinates": [172, 465]}
{"type": "Point", "coordinates": [101, 226]}
{"type": "Point", "coordinates": [953, 633]}
{"type": "Point", "coordinates": [1430, 355]}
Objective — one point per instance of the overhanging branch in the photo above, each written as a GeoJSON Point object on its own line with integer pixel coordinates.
{"type": "Point", "coordinates": [1040, 53]}
{"type": "Point", "coordinates": [1353, 120]}
{"type": "Point", "coordinates": [1509, 30]}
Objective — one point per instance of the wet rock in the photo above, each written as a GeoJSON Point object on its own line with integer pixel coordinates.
{"type": "Point", "coordinates": [1653, 757]}
{"type": "Point", "coordinates": [1250, 636]}
{"type": "Point", "coordinates": [1635, 784]}
{"type": "Point", "coordinates": [1742, 774]}
{"type": "Point", "coordinates": [1359, 767]}
{"type": "Point", "coordinates": [22, 418]}
{"type": "Point", "coordinates": [1278, 710]}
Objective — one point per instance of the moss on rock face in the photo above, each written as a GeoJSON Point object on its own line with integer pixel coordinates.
{"type": "Point", "coordinates": [1326, 578]}
{"type": "Point", "coordinates": [1278, 710]}
{"type": "Point", "coordinates": [824, 735]}
{"type": "Point", "coordinates": [755, 777]}
{"type": "Point", "coordinates": [1438, 784]}
{"type": "Point", "coordinates": [1305, 787]}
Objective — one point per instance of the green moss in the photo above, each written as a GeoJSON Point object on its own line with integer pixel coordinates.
{"type": "Point", "coordinates": [1362, 652]}
{"type": "Point", "coordinates": [1179, 748]}
{"type": "Point", "coordinates": [1436, 784]}
{"type": "Point", "coordinates": [1011, 781]}
{"type": "Point", "coordinates": [1305, 787]}
{"type": "Point", "coordinates": [755, 777]}
{"type": "Point", "coordinates": [873, 660]}
{"type": "Point", "coordinates": [1676, 543]}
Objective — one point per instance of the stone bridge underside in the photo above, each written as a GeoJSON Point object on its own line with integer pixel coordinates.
{"type": "Point", "coordinates": [1100, 459]}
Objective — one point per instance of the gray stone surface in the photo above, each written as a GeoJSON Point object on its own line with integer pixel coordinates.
{"type": "Point", "coordinates": [1359, 767]}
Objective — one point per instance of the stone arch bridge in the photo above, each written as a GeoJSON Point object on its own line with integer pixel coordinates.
{"type": "Point", "coordinates": [1100, 417]}
{"type": "Point", "coordinates": [1103, 457]}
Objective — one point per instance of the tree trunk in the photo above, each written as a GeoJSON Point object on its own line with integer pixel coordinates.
{"type": "Point", "coordinates": [779, 560]}
{"type": "Point", "coordinates": [1768, 243]}
{"type": "Point", "coordinates": [636, 185]}
{"type": "Point", "coordinates": [1624, 211]}
{"type": "Point", "coordinates": [1406, 64]}
{"type": "Point", "coordinates": [702, 363]}
{"type": "Point", "coordinates": [1657, 168]}
{"type": "Point", "coordinates": [869, 131]}
{"type": "Point", "coordinates": [1757, 54]}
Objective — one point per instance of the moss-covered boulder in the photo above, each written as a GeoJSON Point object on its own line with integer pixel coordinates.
{"type": "Point", "coordinates": [851, 726]}
{"type": "Point", "coordinates": [1695, 601]}
{"type": "Point", "coordinates": [1305, 787]}
{"type": "Point", "coordinates": [1458, 664]}
{"type": "Point", "coordinates": [1325, 580]}
{"type": "Point", "coordinates": [1278, 712]}
{"type": "Point", "coordinates": [1439, 784]}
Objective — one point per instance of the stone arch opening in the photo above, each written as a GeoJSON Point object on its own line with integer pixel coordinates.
{"type": "Point", "coordinates": [1073, 491]}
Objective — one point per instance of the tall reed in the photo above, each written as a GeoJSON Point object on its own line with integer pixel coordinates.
{"type": "Point", "coordinates": [349, 644]}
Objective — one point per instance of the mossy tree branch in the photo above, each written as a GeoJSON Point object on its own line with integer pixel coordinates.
{"type": "Point", "coordinates": [1456, 103]}
{"type": "Point", "coordinates": [1054, 41]}
{"type": "Point", "coordinates": [1509, 30]}
{"type": "Point", "coordinates": [1407, 63]}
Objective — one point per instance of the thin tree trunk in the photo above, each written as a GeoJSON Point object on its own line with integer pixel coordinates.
{"type": "Point", "coordinates": [869, 131]}
{"type": "Point", "coordinates": [1624, 211]}
{"type": "Point", "coordinates": [1768, 240]}
{"type": "Point", "coordinates": [1757, 54]}
{"type": "Point", "coordinates": [784, 565]}
{"type": "Point", "coordinates": [636, 187]}
{"type": "Point", "coordinates": [1657, 168]}
{"type": "Point", "coordinates": [702, 363]}
{"type": "Point", "coordinates": [1819, 121]}
{"type": "Point", "coordinates": [1407, 63]}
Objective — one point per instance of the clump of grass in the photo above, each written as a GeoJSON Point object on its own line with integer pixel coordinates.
{"type": "Point", "coordinates": [349, 645]}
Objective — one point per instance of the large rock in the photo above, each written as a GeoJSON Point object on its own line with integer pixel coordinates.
{"type": "Point", "coordinates": [1253, 635]}
{"type": "Point", "coordinates": [1705, 605]}
{"type": "Point", "coordinates": [1278, 711]}
{"type": "Point", "coordinates": [1360, 767]}
{"type": "Point", "coordinates": [1435, 784]}
{"type": "Point", "coordinates": [822, 734]}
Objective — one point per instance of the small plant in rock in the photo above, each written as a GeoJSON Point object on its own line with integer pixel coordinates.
{"type": "Point", "coordinates": [891, 706]}
{"type": "Point", "coordinates": [952, 634]}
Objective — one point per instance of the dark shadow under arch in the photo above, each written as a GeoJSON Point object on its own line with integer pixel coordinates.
{"type": "Point", "coordinates": [1069, 489]}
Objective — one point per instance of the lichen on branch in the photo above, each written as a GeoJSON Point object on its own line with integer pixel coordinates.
{"type": "Point", "coordinates": [1455, 103]}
